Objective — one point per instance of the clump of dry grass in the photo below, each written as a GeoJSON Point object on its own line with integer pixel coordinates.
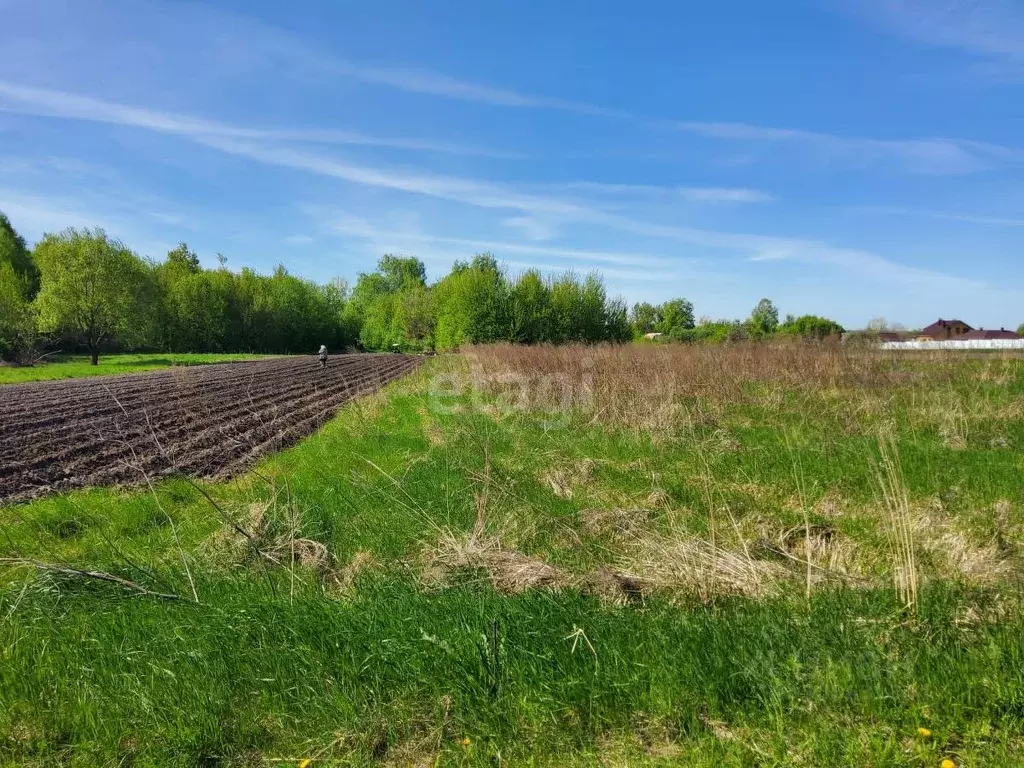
{"type": "Point", "coordinates": [342, 580]}
{"type": "Point", "coordinates": [266, 532]}
{"type": "Point", "coordinates": [954, 554]}
{"type": "Point", "coordinates": [613, 521]}
{"type": "Point", "coordinates": [685, 567]}
{"type": "Point", "coordinates": [564, 480]}
{"type": "Point", "coordinates": [901, 527]}
{"type": "Point", "coordinates": [509, 570]}
{"type": "Point", "coordinates": [692, 566]}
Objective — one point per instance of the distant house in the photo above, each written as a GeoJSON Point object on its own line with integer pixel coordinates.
{"type": "Point", "coordinates": [944, 330]}
{"type": "Point", "coordinates": [982, 335]}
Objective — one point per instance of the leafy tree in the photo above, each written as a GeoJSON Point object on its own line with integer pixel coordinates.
{"type": "Point", "coordinates": [530, 309]}
{"type": "Point", "coordinates": [401, 272]}
{"type": "Point", "coordinates": [566, 309]}
{"type": "Point", "coordinates": [593, 302]}
{"type": "Point", "coordinates": [473, 305]}
{"type": "Point", "coordinates": [616, 323]}
{"type": "Point", "coordinates": [764, 320]}
{"type": "Point", "coordinates": [14, 252]}
{"type": "Point", "coordinates": [644, 317]}
{"type": "Point", "coordinates": [810, 327]}
{"type": "Point", "coordinates": [675, 315]}
{"type": "Point", "coordinates": [94, 288]}
{"type": "Point", "coordinates": [17, 323]}
{"type": "Point", "coordinates": [184, 259]}
{"type": "Point", "coordinates": [710, 331]}
{"type": "Point", "coordinates": [379, 328]}
{"type": "Point", "coordinates": [415, 317]}
{"type": "Point", "coordinates": [1020, 330]}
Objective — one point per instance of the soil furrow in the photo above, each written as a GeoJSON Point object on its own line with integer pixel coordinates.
{"type": "Point", "coordinates": [212, 421]}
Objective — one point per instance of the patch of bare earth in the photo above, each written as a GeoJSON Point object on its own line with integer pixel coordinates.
{"type": "Point", "coordinates": [206, 421]}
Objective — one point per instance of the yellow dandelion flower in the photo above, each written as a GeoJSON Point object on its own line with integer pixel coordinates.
{"type": "Point", "coordinates": [466, 741]}
{"type": "Point", "coordinates": [305, 763]}
{"type": "Point", "coordinates": [924, 732]}
{"type": "Point", "coordinates": [947, 763]}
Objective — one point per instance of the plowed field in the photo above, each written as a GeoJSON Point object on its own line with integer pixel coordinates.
{"type": "Point", "coordinates": [204, 421]}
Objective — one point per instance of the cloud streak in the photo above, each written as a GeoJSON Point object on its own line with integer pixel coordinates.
{"type": "Point", "coordinates": [43, 102]}
{"type": "Point", "coordinates": [980, 27]}
{"type": "Point", "coordinates": [925, 156]}
{"type": "Point", "coordinates": [268, 150]}
{"type": "Point", "coordinates": [967, 218]}
{"type": "Point", "coordinates": [689, 194]}
{"type": "Point", "coordinates": [360, 228]}
{"type": "Point", "coordinates": [991, 31]}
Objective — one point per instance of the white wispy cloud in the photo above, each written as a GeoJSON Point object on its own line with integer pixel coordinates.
{"type": "Point", "coordinates": [691, 194]}
{"type": "Point", "coordinates": [480, 194]}
{"type": "Point", "coordinates": [984, 27]}
{"type": "Point", "coordinates": [38, 214]}
{"type": "Point", "coordinates": [532, 227]}
{"type": "Point", "coordinates": [244, 43]}
{"type": "Point", "coordinates": [44, 102]}
{"type": "Point", "coordinates": [485, 195]}
{"type": "Point", "coordinates": [871, 265]}
{"type": "Point", "coordinates": [967, 218]}
{"type": "Point", "coordinates": [357, 227]}
{"type": "Point", "coordinates": [436, 84]}
{"type": "Point", "coordinates": [927, 156]}
{"type": "Point", "coordinates": [442, 249]}
{"type": "Point", "coordinates": [991, 32]}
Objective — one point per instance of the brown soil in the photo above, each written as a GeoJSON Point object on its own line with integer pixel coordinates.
{"type": "Point", "coordinates": [204, 421]}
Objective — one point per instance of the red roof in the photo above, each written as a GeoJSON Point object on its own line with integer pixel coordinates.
{"type": "Point", "coordinates": [982, 334]}
{"type": "Point", "coordinates": [940, 326]}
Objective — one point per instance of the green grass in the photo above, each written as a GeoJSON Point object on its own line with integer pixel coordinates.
{"type": "Point", "coordinates": [78, 366]}
{"type": "Point", "coordinates": [392, 652]}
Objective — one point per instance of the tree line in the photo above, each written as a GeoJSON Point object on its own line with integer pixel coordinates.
{"type": "Point", "coordinates": [82, 290]}
{"type": "Point", "coordinates": [674, 321]}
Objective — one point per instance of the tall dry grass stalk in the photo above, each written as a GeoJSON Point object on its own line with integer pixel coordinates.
{"type": "Point", "coordinates": [657, 387]}
{"type": "Point", "coordinates": [901, 522]}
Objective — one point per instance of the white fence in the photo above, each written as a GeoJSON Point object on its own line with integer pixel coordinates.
{"type": "Point", "coordinates": [957, 344]}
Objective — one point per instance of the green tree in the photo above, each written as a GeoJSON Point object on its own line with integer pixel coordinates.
{"type": "Point", "coordinates": [473, 305]}
{"type": "Point", "coordinates": [530, 309]}
{"type": "Point", "coordinates": [415, 317]}
{"type": "Point", "coordinates": [810, 327]}
{"type": "Point", "coordinates": [1020, 330]}
{"type": "Point", "coordinates": [616, 323]}
{"type": "Point", "coordinates": [184, 259]}
{"type": "Point", "coordinates": [370, 312]}
{"type": "Point", "coordinates": [17, 323]}
{"type": "Point", "coordinates": [674, 316]}
{"type": "Point", "coordinates": [593, 304]}
{"type": "Point", "coordinates": [644, 317]}
{"type": "Point", "coordinates": [94, 288]}
{"type": "Point", "coordinates": [14, 252]}
{"type": "Point", "coordinates": [709, 331]}
{"type": "Point", "coordinates": [764, 320]}
{"type": "Point", "coordinates": [401, 272]}
{"type": "Point", "coordinates": [566, 309]}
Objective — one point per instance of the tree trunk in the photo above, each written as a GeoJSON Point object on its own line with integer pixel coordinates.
{"type": "Point", "coordinates": [95, 357]}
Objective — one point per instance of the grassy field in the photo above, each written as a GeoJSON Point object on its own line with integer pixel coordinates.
{"type": "Point", "coordinates": [742, 556]}
{"type": "Point", "coordinates": [77, 366]}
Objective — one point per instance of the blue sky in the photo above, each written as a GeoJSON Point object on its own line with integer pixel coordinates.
{"type": "Point", "coordinates": [853, 158]}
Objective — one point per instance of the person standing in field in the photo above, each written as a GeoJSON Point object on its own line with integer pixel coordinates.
{"type": "Point", "coordinates": [322, 354]}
